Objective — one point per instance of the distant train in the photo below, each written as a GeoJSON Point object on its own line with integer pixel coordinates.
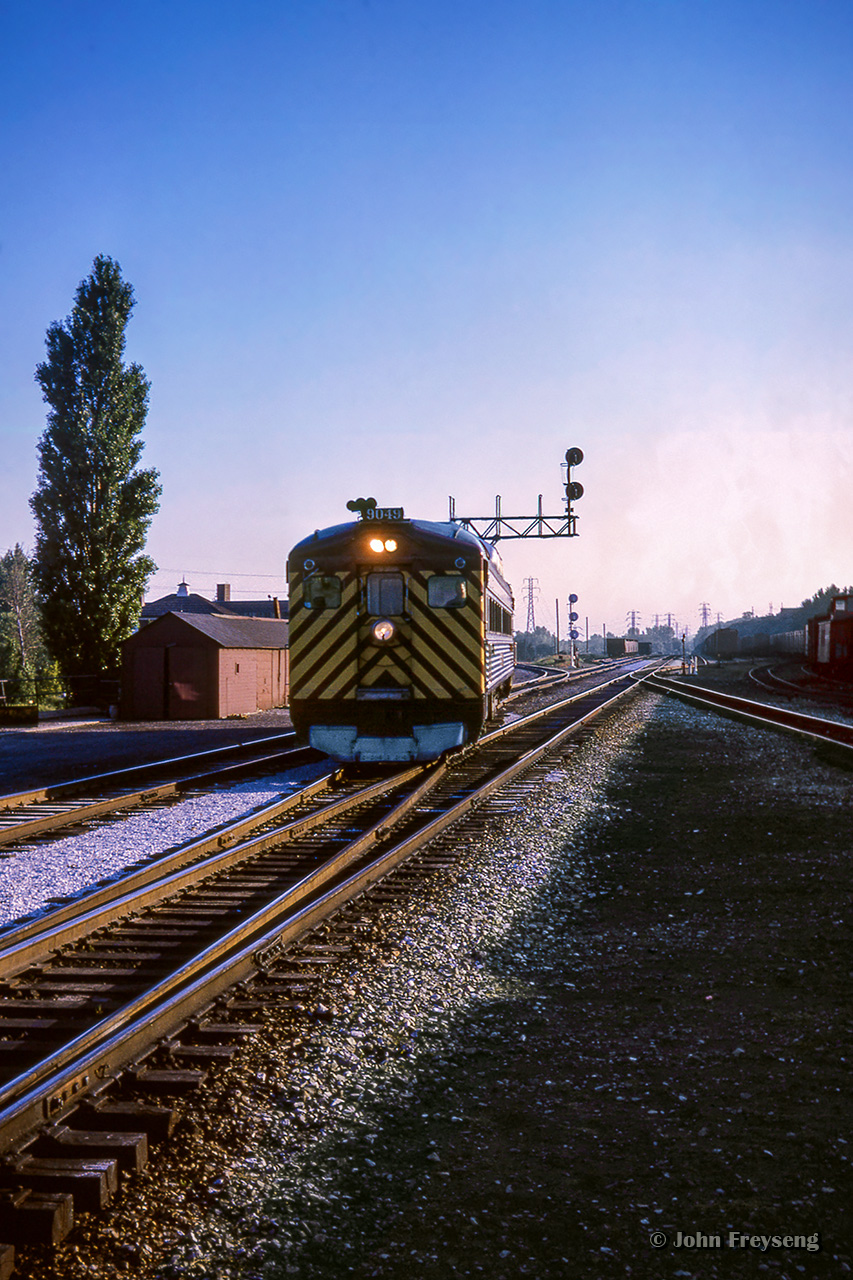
{"type": "Point", "coordinates": [825, 642]}
{"type": "Point", "coordinates": [401, 637]}
{"type": "Point", "coordinates": [726, 642]}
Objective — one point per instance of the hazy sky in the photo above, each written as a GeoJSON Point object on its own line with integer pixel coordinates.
{"type": "Point", "coordinates": [413, 248]}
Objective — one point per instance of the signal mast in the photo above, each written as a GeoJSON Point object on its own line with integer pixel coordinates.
{"type": "Point", "coordinates": [497, 527]}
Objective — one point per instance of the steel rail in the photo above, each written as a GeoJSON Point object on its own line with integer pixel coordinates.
{"type": "Point", "coordinates": [58, 789]}
{"type": "Point", "coordinates": [22, 828]}
{"type": "Point", "coordinates": [34, 940]}
{"type": "Point", "coordinates": [554, 676]}
{"type": "Point", "coordinates": [171, 876]}
{"type": "Point", "coordinates": [141, 1013]}
{"type": "Point", "coordinates": [766, 679]}
{"type": "Point", "coordinates": [97, 1055]}
{"type": "Point", "coordinates": [831, 739]}
{"type": "Point", "coordinates": [514, 725]}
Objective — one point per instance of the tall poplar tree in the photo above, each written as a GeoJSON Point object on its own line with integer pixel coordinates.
{"type": "Point", "coordinates": [93, 506]}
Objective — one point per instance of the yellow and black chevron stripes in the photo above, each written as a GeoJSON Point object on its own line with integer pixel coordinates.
{"type": "Point", "coordinates": [439, 653]}
{"type": "Point", "coordinates": [324, 644]}
{"type": "Point", "coordinates": [385, 665]}
{"type": "Point", "coordinates": [447, 644]}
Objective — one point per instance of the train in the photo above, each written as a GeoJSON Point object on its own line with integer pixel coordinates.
{"type": "Point", "coordinates": [401, 637]}
{"type": "Point", "coordinates": [825, 642]}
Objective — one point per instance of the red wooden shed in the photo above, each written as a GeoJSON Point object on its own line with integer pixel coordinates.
{"type": "Point", "coordinates": [204, 667]}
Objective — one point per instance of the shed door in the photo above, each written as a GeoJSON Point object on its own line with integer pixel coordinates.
{"type": "Point", "coordinates": [186, 686]}
{"type": "Point", "coordinates": [148, 684]}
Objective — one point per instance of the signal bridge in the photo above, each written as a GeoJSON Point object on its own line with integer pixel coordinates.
{"type": "Point", "coordinates": [493, 528]}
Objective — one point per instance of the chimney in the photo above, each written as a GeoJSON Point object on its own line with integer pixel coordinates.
{"type": "Point", "coordinates": [223, 592]}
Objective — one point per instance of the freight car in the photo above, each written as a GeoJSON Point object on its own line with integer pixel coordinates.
{"type": "Point", "coordinates": [829, 639]}
{"type": "Point", "coordinates": [401, 637]}
{"type": "Point", "coordinates": [619, 647]}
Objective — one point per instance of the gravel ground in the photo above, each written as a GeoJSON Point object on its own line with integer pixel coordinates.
{"type": "Point", "coordinates": [733, 677]}
{"type": "Point", "coordinates": [623, 1020]}
{"type": "Point", "coordinates": [31, 875]}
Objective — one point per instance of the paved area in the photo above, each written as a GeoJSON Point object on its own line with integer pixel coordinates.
{"type": "Point", "coordinates": [60, 750]}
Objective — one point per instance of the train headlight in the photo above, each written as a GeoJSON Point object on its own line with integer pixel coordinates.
{"type": "Point", "coordinates": [376, 544]}
{"type": "Point", "coordinates": [383, 631]}
{"type": "Point", "coordinates": [390, 544]}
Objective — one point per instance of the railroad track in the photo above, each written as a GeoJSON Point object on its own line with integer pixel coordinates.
{"type": "Point", "coordinates": [807, 685]}
{"type": "Point", "coordinates": [28, 814]}
{"type": "Point", "coordinates": [534, 691]}
{"type": "Point", "coordinates": [831, 740]}
{"type": "Point", "coordinates": [130, 994]}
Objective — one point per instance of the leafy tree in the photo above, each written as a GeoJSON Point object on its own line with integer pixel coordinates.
{"type": "Point", "coordinates": [821, 600]}
{"type": "Point", "coordinates": [530, 645]}
{"type": "Point", "coordinates": [24, 661]}
{"type": "Point", "coordinates": [92, 505]}
{"type": "Point", "coordinates": [18, 609]}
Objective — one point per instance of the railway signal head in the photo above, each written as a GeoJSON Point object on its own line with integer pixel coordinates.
{"type": "Point", "coordinates": [574, 490]}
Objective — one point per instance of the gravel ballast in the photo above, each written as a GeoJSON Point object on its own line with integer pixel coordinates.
{"type": "Point", "coordinates": [619, 1029]}
{"type": "Point", "coordinates": [31, 875]}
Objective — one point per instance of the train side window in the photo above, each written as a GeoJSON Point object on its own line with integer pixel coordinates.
{"type": "Point", "coordinates": [322, 593]}
{"type": "Point", "coordinates": [385, 594]}
{"type": "Point", "coordinates": [446, 591]}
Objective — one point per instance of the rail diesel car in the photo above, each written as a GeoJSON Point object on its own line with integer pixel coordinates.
{"type": "Point", "coordinates": [401, 637]}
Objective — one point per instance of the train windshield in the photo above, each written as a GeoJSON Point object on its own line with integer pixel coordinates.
{"type": "Point", "coordinates": [322, 593]}
{"type": "Point", "coordinates": [385, 594]}
{"type": "Point", "coordinates": [446, 591]}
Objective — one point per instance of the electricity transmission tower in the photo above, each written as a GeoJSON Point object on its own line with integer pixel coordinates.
{"type": "Point", "coordinates": [531, 591]}
{"type": "Point", "coordinates": [633, 620]}
{"type": "Point", "coordinates": [705, 613]}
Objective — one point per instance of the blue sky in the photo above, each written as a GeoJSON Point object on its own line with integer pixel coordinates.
{"type": "Point", "coordinates": [416, 249]}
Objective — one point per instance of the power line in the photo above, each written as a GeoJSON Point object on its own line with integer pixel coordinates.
{"type": "Point", "coordinates": [216, 573]}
